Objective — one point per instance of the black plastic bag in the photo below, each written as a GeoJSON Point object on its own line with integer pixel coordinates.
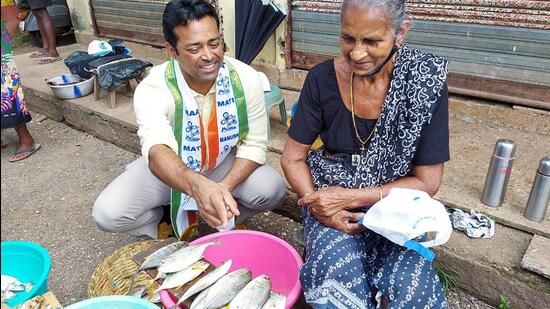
{"type": "Point", "coordinates": [117, 45]}
{"type": "Point", "coordinates": [77, 62]}
{"type": "Point", "coordinates": [94, 64]}
{"type": "Point", "coordinates": [112, 75]}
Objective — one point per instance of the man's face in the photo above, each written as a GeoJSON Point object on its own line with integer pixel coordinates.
{"type": "Point", "coordinates": [200, 52]}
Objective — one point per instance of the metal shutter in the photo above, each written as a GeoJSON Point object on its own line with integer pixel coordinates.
{"type": "Point", "coordinates": [499, 49]}
{"type": "Point", "coordinates": [137, 21]}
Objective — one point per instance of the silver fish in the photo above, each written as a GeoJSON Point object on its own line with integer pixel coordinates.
{"type": "Point", "coordinates": [198, 302]}
{"type": "Point", "coordinates": [182, 277]}
{"type": "Point", "coordinates": [275, 301]}
{"type": "Point", "coordinates": [253, 295]}
{"type": "Point", "coordinates": [155, 298]}
{"type": "Point", "coordinates": [225, 289]}
{"type": "Point", "coordinates": [138, 291]}
{"type": "Point", "coordinates": [184, 257]}
{"type": "Point", "coordinates": [206, 281]}
{"type": "Point", "coordinates": [156, 257]}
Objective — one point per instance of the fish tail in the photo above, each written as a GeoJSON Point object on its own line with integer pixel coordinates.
{"type": "Point", "coordinates": [133, 280]}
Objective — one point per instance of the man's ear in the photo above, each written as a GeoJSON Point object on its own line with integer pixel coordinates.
{"type": "Point", "coordinates": [402, 33]}
{"type": "Point", "coordinates": [171, 50]}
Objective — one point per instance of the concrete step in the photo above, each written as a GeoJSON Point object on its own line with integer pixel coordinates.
{"type": "Point", "coordinates": [487, 268]}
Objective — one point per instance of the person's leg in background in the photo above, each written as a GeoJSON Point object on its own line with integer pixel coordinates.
{"type": "Point", "coordinates": [132, 203]}
{"type": "Point", "coordinates": [47, 30]}
{"type": "Point", "coordinates": [26, 146]}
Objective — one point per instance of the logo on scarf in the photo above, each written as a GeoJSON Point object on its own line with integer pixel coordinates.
{"type": "Point", "coordinates": [192, 132]}
{"type": "Point", "coordinates": [223, 84]}
{"type": "Point", "coordinates": [226, 148]}
{"type": "Point", "coordinates": [193, 163]}
{"type": "Point", "coordinates": [229, 122]}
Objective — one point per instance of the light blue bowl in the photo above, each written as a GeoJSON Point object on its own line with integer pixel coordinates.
{"type": "Point", "coordinates": [113, 302]}
{"type": "Point", "coordinates": [28, 262]}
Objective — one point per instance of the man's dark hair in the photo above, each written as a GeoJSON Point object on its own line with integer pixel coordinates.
{"type": "Point", "coordinates": [181, 12]}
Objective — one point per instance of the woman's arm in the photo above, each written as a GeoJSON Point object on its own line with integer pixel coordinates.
{"type": "Point", "coordinates": [328, 201]}
{"type": "Point", "coordinates": [293, 162]}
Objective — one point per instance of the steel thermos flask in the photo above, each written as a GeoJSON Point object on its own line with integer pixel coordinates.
{"type": "Point", "coordinates": [499, 173]}
{"type": "Point", "coordinates": [540, 193]}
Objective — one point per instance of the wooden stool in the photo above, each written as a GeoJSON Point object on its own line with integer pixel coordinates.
{"type": "Point", "coordinates": [112, 93]}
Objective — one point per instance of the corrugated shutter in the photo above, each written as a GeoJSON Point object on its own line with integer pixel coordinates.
{"type": "Point", "coordinates": [138, 21]}
{"type": "Point", "coordinates": [133, 20]}
{"type": "Point", "coordinates": [499, 49]}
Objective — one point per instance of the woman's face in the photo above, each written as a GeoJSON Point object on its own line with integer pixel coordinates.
{"type": "Point", "coordinates": [366, 38]}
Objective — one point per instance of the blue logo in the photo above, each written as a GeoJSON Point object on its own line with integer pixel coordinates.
{"type": "Point", "coordinates": [193, 163]}
{"type": "Point", "coordinates": [229, 122]}
{"type": "Point", "coordinates": [192, 132]}
{"type": "Point", "coordinates": [226, 148]}
{"type": "Point", "coordinates": [223, 85]}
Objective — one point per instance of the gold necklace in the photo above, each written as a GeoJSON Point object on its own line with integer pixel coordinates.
{"type": "Point", "coordinates": [361, 141]}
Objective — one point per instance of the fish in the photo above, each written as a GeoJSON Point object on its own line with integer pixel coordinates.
{"type": "Point", "coordinates": [184, 257]}
{"type": "Point", "coordinates": [206, 281]}
{"type": "Point", "coordinates": [155, 298]}
{"type": "Point", "coordinates": [7, 295]}
{"type": "Point", "coordinates": [156, 257]}
{"type": "Point", "coordinates": [198, 302]}
{"type": "Point", "coordinates": [253, 295]}
{"type": "Point", "coordinates": [138, 291]}
{"type": "Point", "coordinates": [11, 284]}
{"type": "Point", "coordinates": [180, 278]}
{"type": "Point", "coordinates": [226, 288]}
{"type": "Point", "coordinates": [275, 301]}
{"type": "Point", "coordinates": [153, 259]}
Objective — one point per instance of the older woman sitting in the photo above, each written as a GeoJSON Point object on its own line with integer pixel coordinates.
{"type": "Point", "coordinates": [381, 110]}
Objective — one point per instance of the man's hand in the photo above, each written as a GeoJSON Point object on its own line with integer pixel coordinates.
{"type": "Point", "coordinates": [328, 201]}
{"type": "Point", "coordinates": [344, 221]}
{"type": "Point", "coordinates": [215, 203]}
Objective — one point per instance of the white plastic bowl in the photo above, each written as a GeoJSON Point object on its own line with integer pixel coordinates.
{"type": "Point", "coordinates": [69, 86]}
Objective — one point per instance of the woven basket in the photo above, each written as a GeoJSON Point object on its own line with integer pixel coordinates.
{"type": "Point", "coordinates": [113, 276]}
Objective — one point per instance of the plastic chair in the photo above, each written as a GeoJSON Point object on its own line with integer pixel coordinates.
{"type": "Point", "coordinates": [274, 98]}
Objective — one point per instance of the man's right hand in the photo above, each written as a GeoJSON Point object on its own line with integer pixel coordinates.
{"type": "Point", "coordinates": [215, 203]}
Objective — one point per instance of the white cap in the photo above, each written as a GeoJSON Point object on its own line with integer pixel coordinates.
{"type": "Point", "coordinates": [406, 214]}
{"type": "Point", "coordinates": [99, 48]}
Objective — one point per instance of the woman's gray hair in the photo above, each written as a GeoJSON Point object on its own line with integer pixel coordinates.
{"type": "Point", "coordinates": [395, 9]}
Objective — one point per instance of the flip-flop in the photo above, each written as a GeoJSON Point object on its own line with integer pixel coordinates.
{"type": "Point", "coordinates": [19, 155]}
{"type": "Point", "coordinates": [49, 59]}
{"type": "Point", "coordinates": [38, 54]}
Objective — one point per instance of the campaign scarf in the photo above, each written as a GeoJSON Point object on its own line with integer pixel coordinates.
{"type": "Point", "coordinates": [203, 150]}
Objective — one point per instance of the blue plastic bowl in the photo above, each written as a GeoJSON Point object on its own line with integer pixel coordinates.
{"type": "Point", "coordinates": [28, 262]}
{"type": "Point", "coordinates": [113, 302]}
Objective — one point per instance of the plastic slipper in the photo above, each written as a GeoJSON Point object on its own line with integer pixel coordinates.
{"type": "Point", "coordinates": [49, 59]}
{"type": "Point", "coordinates": [19, 155]}
{"type": "Point", "coordinates": [38, 54]}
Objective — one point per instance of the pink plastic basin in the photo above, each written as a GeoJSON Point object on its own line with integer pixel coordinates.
{"type": "Point", "coordinates": [262, 253]}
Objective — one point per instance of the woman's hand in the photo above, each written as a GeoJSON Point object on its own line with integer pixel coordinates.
{"type": "Point", "coordinates": [344, 221]}
{"type": "Point", "coordinates": [328, 201]}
